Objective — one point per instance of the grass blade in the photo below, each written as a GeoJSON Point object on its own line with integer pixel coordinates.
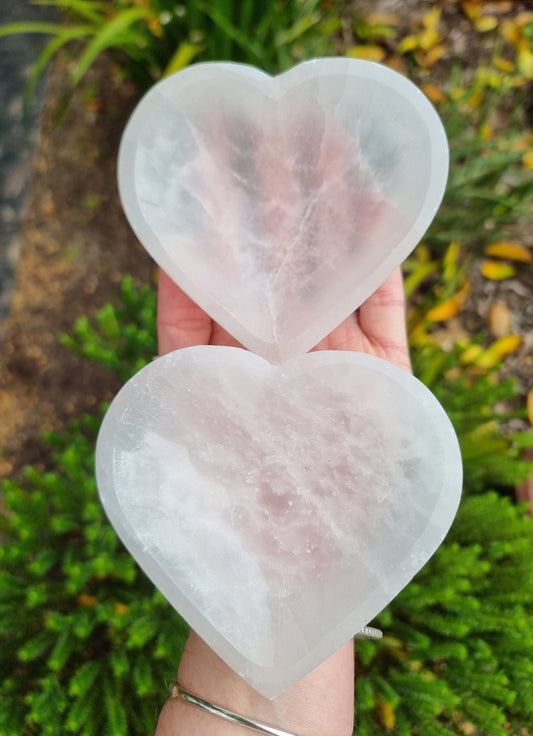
{"type": "Point", "coordinates": [241, 39]}
{"type": "Point", "coordinates": [53, 29]}
{"type": "Point", "coordinates": [112, 34]}
{"type": "Point", "coordinates": [50, 50]}
{"type": "Point", "coordinates": [94, 12]}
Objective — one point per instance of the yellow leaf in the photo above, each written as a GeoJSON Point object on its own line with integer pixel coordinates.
{"type": "Point", "coordinates": [449, 308]}
{"type": "Point", "coordinates": [524, 62]}
{"type": "Point", "coordinates": [429, 38]}
{"type": "Point", "coordinates": [485, 23]}
{"type": "Point", "coordinates": [451, 260]}
{"type": "Point", "coordinates": [486, 132]}
{"type": "Point", "coordinates": [433, 92]}
{"type": "Point", "coordinates": [471, 8]}
{"type": "Point", "coordinates": [504, 65]}
{"type": "Point", "coordinates": [370, 53]}
{"type": "Point", "coordinates": [423, 253]}
{"type": "Point", "coordinates": [498, 350]}
{"type": "Point", "coordinates": [497, 271]}
{"type": "Point", "coordinates": [529, 405]}
{"type": "Point", "coordinates": [511, 32]}
{"type": "Point", "coordinates": [510, 250]}
{"type": "Point", "coordinates": [476, 98]}
{"type": "Point", "coordinates": [434, 54]}
{"type": "Point", "coordinates": [432, 18]}
{"type": "Point", "coordinates": [471, 354]}
{"type": "Point", "coordinates": [386, 712]}
{"type": "Point", "coordinates": [499, 319]}
{"type": "Point", "coordinates": [409, 43]}
{"type": "Point", "coordinates": [527, 160]}
{"type": "Point", "coordinates": [183, 55]}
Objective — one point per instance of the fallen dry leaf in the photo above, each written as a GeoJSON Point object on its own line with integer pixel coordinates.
{"type": "Point", "coordinates": [499, 319]}
{"type": "Point", "coordinates": [504, 65]}
{"type": "Point", "coordinates": [497, 271]}
{"type": "Point", "coordinates": [527, 160]}
{"type": "Point", "coordinates": [433, 92]}
{"type": "Point", "coordinates": [449, 308]}
{"type": "Point", "coordinates": [498, 350]}
{"type": "Point", "coordinates": [510, 250]}
{"type": "Point", "coordinates": [367, 52]}
{"type": "Point", "coordinates": [485, 23]}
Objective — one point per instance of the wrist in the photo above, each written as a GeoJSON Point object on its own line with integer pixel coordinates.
{"type": "Point", "coordinates": [321, 704]}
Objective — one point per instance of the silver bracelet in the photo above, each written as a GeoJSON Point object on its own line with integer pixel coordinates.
{"type": "Point", "coordinates": [368, 632]}
{"type": "Point", "coordinates": [177, 691]}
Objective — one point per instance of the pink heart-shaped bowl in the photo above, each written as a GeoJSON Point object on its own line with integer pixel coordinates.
{"type": "Point", "coordinates": [278, 508]}
{"type": "Point", "coordinates": [279, 204]}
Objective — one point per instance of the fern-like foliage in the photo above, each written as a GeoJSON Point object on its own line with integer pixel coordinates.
{"type": "Point", "coordinates": [123, 338]}
{"type": "Point", "coordinates": [87, 642]}
{"type": "Point", "coordinates": [458, 653]}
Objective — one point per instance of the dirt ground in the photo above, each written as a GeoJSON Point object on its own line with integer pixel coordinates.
{"type": "Point", "coordinates": [75, 247]}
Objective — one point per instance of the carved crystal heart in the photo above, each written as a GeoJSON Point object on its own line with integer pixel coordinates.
{"type": "Point", "coordinates": [278, 508]}
{"type": "Point", "coordinates": [280, 204]}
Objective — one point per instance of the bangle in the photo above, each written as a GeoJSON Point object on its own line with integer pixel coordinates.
{"type": "Point", "coordinates": [176, 691]}
{"type": "Point", "coordinates": [368, 632]}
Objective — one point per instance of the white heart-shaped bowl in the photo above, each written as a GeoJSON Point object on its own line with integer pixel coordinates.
{"type": "Point", "coordinates": [279, 204]}
{"type": "Point", "coordinates": [278, 508]}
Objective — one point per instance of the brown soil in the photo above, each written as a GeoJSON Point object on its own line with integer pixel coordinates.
{"type": "Point", "coordinates": [75, 247]}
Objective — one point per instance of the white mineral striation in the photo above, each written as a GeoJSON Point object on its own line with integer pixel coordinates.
{"type": "Point", "coordinates": [280, 204]}
{"type": "Point", "coordinates": [278, 508]}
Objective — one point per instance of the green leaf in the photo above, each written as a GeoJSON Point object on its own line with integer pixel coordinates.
{"type": "Point", "coordinates": [34, 647]}
{"type": "Point", "coordinates": [235, 34]}
{"type": "Point", "coordinates": [111, 34]}
{"type": "Point", "coordinates": [183, 56]}
{"type": "Point", "coordinates": [31, 27]}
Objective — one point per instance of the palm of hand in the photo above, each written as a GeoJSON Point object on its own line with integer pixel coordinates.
{"type": "Point", "coordinates": [376, 328]}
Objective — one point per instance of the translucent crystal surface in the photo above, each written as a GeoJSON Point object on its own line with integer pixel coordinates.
{"type": "Point", "coordinates": [278, 508]}
{"type": "Point", "coordinates": [280, 204]}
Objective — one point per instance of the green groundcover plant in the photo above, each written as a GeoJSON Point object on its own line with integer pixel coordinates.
{"type": "Point", "coordinates": [88, 646]}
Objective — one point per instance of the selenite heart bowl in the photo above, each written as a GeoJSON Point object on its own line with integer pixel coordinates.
{"type": "Point", "coordinates": [279, 204]}
{"type": "Point", "coordinates": [278, 508]}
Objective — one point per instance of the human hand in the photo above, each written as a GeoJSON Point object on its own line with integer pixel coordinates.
{"type": "Point", "coordinates": [377, 327]}
{"type": "Point", "coordinates": [321, 704]}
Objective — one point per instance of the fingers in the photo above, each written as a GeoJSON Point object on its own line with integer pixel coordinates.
{"type": "Point", "coordinates": [180, 322]}
{"type": "Point", "coordinates": [382, 320]}
{"type": "Point", "coordinates": [377, 327]}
